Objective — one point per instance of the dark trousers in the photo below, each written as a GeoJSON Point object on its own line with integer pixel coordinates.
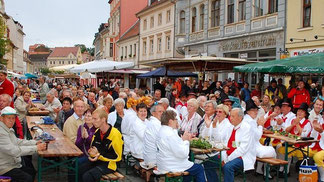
{"type": "Point", "coordinates": [92, 171]}
{"type": "Point", "coordinates": [24, 174]}
{"type": "Point", "coordinates": [197, 171]}
{"type": "Point", "coordinates": [210, 168]}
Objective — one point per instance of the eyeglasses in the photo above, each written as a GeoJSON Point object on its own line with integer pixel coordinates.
{"type": "Point", "coordinates": [219, 111]}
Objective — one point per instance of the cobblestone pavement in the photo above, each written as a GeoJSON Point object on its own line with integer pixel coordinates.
{"type": "Point", "coordinates": [50, 176]}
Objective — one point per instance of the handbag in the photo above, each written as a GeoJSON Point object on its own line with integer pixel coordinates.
{"type": "Point", "coordinates": [307, 173]}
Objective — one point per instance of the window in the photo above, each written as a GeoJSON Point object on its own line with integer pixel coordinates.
{"type": "Point", "coordinates": [145, 24]}
{"type": "Point", "coordinates": [201, 22]}
{"type": "Point", "coordinates": [193, 20]}
{"type": "Point", "coordinates": [134, 50]}
{"type": "Point", "coordinates": [242, 9]}
{"type": "Point", "coordinates": [151, 46]}
{"type": "Point", "coordinates": [111, 49]}
{"type": "Point", "coordinates": [125, 51]}
{"type": "Point", "coordinates": [144, 47]}
{"type": "Point", "coordinates": [168, 43]}
{"type": "Point", "coordinates": [168, 16]}
{"type": "Point", "coordinates": [131, 50]}
{"type": "Point", "coordinates": [273, 6]}
{"type": "Point", "coordinates": [152, 22]}
{"type": "Point", "coordinates": [230, 11]}
{"type": "Point", "coordinates": [215, 13]}
{"type": "Point", "coordinates": [159, 45]}
{"type": "Point", "coordinates": [160, 19]}
{"type": "Point", "coordinates": [259, 7]}
{"type": "Point", "coordinates": [307, 13]}
{"type": "Point", "coordinates": [182, 22]}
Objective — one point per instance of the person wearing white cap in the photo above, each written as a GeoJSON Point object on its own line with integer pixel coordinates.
{"type": "Point", "coordinates": [11, 156]}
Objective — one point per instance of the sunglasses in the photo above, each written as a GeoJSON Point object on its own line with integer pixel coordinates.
{"type": "Point", "coordinates": [219, 111]}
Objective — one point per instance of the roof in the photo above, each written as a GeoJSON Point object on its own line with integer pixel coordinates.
{"type": "Point", "coordinates": [154, 4]}
{"type": "Point", "coordinates": [131, 32]}
{"type": "Point", "coordinates": [64, 51]}
{"type": "Point", "coordinates": [38, 57]}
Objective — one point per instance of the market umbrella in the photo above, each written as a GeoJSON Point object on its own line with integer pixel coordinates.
{"type": "Point", "coordinates": [29, 75]}
{"type": "Point", "coordinates": [161, 72]}
{"type": "Point", "coordinates": [101, 66]}
{"type": "Point", "coordinates": [312, 63]}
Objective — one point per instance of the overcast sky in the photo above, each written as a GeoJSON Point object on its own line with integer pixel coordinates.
{"type": "Point", "coordinates": [58, 22]}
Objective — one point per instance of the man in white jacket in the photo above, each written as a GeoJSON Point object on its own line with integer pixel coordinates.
{"type": "Point", "coordinates": [241, 153]}
{"type": "Point", "coordinates": [173, 151]}
{"type": "Point", "coordinates": [152, 129]}
{"type": "Point", "coordinates": [13, 149]}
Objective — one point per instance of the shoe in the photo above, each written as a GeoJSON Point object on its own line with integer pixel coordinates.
{"type": "Point", "coordinates": [258, 174]}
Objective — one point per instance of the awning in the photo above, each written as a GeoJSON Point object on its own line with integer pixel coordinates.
{"type": "Point", "coordinates": [29, 75]}
{"type": "Point", "coordinates": [63, 67]}
{"type": "Point", "coordinates": [101, 66]}
{"type": "Point", "coordinates": [312, 63]}
{"type": "Point", "coordinates": [13, 74]}
{"type": "Point", "coordinates": [129, 71]}
{"type": "Point", "coordinates": [161, 72]}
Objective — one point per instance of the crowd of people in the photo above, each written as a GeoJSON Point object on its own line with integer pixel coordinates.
{"type": "Point", "coordinates": [155, 127]}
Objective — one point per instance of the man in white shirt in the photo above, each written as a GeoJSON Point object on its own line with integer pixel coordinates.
{"type": "Point", "coordinates": [166, 104]}
{"type": "Point", "coordinates": [152, 129]}
{"type": "Point", "coordinates": [173, 151]}
{"type": "Point", "coordinates": [53, 105]}
{"type": "Point", "coordinates": [241, 153]}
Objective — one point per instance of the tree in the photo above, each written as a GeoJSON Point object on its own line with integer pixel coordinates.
{"type": "Point", "coordinates": [82, 47]}
{"type": "Point", "coordinates": [45, 71]}
{"type": "Point", "coordinates": [91, 51]}
{"type": "Point", "coordinates": [3, 40]}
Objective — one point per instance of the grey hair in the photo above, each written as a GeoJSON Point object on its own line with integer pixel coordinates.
{"type": "Point", "coordinates": [51, 93]}
{"type": "Point", "coordinates": [239, 112]}
{"type": "Point", "coordinates": [68, 90]}
{"type": "Point", "coordinates": [153, 108]}
{"type": "Point", "coordinates": [201, 97]}
{"type": "Point", "coordinates": [122, 95]}
{"type": "Point", "coordinates": [211, 102]}
{"type": "Point", "coordinates": [165, 101]}
{"type": "Point", "coordinates": [119, 101]}
{"type": "Point", "coordinates": [7, 96]}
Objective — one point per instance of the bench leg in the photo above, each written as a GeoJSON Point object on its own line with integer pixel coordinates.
{"type": "Point", "coordinates": [267, 172]}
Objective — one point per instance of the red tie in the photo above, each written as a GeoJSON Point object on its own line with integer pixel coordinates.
{"type": "Point", "coordinates": [231, 143]}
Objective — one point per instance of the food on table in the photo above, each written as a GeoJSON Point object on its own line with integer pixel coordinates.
{"type": "Point", "coordinates": [201, 144]}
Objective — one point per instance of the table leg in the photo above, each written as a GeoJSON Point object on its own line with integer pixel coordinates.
{"type": "Point", "coordinates": [39, 167]}
{"type": "Point", "coordinates": [76, 169]}
{"type": "Point", "coordinates": [192, 156]}
{"type": "Point", "coordinates": [286, 159]}
{"type": "Point", "coordinates": [267, 172]}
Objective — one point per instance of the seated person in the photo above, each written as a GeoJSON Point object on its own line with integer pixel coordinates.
{"type": "Point", "coordinates": [105, 149]}
{"type": "Point", "coordinates": [53, 105]}
{"type": "Point", "coordinates": [241, 153]}
{"type": "Point", "coordinates": [173, 151]}
{"type": "Point", "coordinates": [65, 112]}
{"type": "Point", "coordinates": [70, 128]}
{"type": "Point", "coordinates": [84, 136]}
{"type": "Point", "coordinates": [137, 132]}
{"type": "Point", "coordinates": [12, 162]}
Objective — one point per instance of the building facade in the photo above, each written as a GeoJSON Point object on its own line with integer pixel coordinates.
{"type": "Point", "coordinates": [64, 56]}
{"type": "Point", "coordinates": [156, 31]}
{"type": "Point", "coordinates": [250, 29]}
{"type": "Point", "coordinates": [38, 55]}
{"type": "Point", "coordinates": [29, 66]}
{"type": "Point", "coordinates": [305, 27]}
{"type": "Point", "coordinates": [128, 45]}
{"type": "Point", "coordinates": [102, 43]}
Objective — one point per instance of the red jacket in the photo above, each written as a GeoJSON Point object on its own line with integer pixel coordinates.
{"type": "Point", "coordinates": [7, 88]}
{"type": "Point", "coordinates": [18, 129]}
{"type": "Point", "coordinates": [299, 96]}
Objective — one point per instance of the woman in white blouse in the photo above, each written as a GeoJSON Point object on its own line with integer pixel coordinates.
{"type": "Point", "coordinates": [190, 122]}
{"type": "Point", "coordinates": [137, 131]}
{"type": "Point", "coordinates": [214, 128]}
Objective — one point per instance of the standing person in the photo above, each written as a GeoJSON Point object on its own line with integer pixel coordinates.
{"type": "Point", "coordinates": [159, 86]}
{"type": "Point", "coordinates": [282, 88]}
{"type": "Point", "coordinates": [12, 160]}
{"type": "Point", "coordinates": [6, 87]}
{"type": "Point", "coordinates": [157, 95]}
{"type": "Point", "coordinates": [299, 95]}
{"type": "Point", "coordinates": [173, 150]}
{"type": "Point", "coordinates": [256, 91]}
{"type": "Point", "coordinates": [84, 135]}
{"type": "Point", "coordinates": [43, 89]}
{"type": "Point", "coordinates": [272, 91]}
{"type": "Point", "coordinates": [225, 92]}
{"type": "Point", "coordinates": [168, 88]}
{"type": "Point", "coordinates": [245, 92]}
{"type": "Point", "coordinates": [152, 128]}
{"type": "Point", "coordinates": [105, 149]}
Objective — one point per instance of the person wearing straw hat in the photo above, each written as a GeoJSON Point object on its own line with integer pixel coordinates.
{"type": "Point", "coordinates": [12, 162]}
{"type": "Point", "coordinates": [6, 86]}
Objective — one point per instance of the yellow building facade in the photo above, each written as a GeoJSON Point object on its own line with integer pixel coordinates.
{"type": "Point", "coordinates": [305, 27]}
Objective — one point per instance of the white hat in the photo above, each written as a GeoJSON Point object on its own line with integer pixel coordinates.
{"type": "Point", "coordinates": [8, 111]}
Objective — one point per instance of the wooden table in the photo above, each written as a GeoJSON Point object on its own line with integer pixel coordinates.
{"type": "Point", "coordinates": [40, 112]}
{"type": "Point", "coordinates": [289, 141]}
{"type": "Point", "coordinates": [60, 147]}
{"type": "Point", "coordinates": [197, 151]}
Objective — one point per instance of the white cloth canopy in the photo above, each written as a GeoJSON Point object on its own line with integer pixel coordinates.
{"type": "Point", "coordinates": [101, 66]}
{"type": "Point", "coordinates": [63, 67]}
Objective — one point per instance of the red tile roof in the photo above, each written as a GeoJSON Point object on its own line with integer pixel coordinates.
{"type": "Point", "coordinates": [155, 3]}
{"type": "Point", "coordinates": [131, 32]}
{"type": "Point", "coordinates": [64, 51]}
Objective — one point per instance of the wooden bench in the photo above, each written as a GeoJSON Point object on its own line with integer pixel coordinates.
{"type": "Point", "coordinates": [112, 177]}
{"type": "Point", "coordinates": [172, 176]}
{"type": "Point", "coordinates": [271, 162]}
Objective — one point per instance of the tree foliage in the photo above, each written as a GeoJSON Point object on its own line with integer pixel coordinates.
{"type": "Point", "coordinates": [45, 71]}
{"type": "Point", "coordinates": [3, 39]}
{"type": "Point", "coordinates": [84, 49]}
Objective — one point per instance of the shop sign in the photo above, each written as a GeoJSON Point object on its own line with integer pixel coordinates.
{"type": "Point", "coordinates": [306, 51]}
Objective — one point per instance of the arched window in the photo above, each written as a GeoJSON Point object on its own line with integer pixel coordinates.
{"type": "Point", "coordinates": [215, 13]}
{"type": "Point", "coordinates": [182, 22]}
{"type": "Point", "coordinates": [201, 21]}
{"type": "Point", "coordinates": [193, 20]}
